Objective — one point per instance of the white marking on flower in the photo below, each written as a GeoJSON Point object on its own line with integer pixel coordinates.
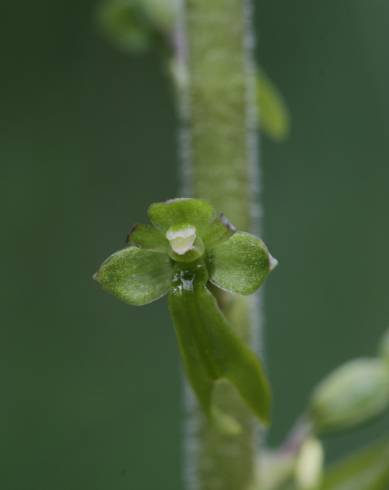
{"type": "Point", "coordinates": [181, 239]}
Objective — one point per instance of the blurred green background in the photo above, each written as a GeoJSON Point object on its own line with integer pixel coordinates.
{"type": "Point", "coordinates": [90, 388]}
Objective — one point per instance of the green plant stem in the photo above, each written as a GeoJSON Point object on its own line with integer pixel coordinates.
{"type": "Point", "coordinates": [219, 154]}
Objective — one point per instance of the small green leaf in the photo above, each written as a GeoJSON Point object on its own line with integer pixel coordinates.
{"type": "Point", "coordinates": [136, 276]}
{"type": "Point", "coordinates": [218, 232]}
{"type": "Point", "coordinates": [367, 469]}
{"type": "Point", "coordinates": [240, 264]}
{"type": "Point", "coordinates": [351, 395]}
{"type": "Point", "coordinates": [137, 25]}
{"type": "Point", "coordinates": [163, 14]}
{"type": "Point", "coordinates": [211, 351]}
{"type": "Point", "coordinates": [273, 114]}
{"type": "Point", "coordinates": [126, 24]}
{"type": "Point", "coordinates": [182, 211]}
{"type": "Point", "coordinates": [148, 237]}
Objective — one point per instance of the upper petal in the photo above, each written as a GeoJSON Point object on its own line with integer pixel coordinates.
{"type": "Point", "coordinates": [195, 212]}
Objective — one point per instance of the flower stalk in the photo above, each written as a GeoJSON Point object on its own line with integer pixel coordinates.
{"type": "Point", "coordinates": [220, 163]}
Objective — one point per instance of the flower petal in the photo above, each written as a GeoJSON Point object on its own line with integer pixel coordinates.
{"type": "Point", "coordinates": [195, 212]}
{"type": "Point", "coordinates": [148, 237]}
{"type": "Point", "coordinates": [211, 351]}
{"type": "Point", "coordinates": [240, 264]}
{"type": "Point", "coordinates": [136, 276]}
{"type": "Point", "coordinates": [217, 232]}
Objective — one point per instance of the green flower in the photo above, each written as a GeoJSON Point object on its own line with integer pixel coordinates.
{"type": "Point", "coordinates": [186, 247]}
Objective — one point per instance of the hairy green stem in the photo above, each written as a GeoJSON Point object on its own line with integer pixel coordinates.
{"type": "Point", "coordinates": [220, 162]}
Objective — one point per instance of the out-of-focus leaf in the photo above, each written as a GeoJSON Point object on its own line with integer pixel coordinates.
{"type": "Point", "coordinates": [137, 25]}
{"type": "Point", "coordinates": [352, 394]}
{"type": "Point", "coordinates": [181, 211]}
{"type": "Point", "coordinates": [163, 13]}
{"type": "Point", "coordinates": [275, 471]}
{"type": "Point", "coordinates": [273, 113]}
{"type": "Point", "coordinates": [368, 469]}
{"type": "Point", "coordinates": [240, 264]}
{"type": "Point", "coordinates": [211, 351]}
{"type": "Point", "coordinates": [136, 276]}
{"type": "Point", "coordinates": [148, 237]}
{"type": "Point", "coordinates": [126, 24]}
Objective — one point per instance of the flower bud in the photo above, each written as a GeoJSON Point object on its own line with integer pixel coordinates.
{"type": "Point", "coordinates": [309, 465]}
{"type": "Point", "coordinates": [352, 394]}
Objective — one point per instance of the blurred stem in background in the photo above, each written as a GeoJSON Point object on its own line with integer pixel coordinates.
{"type": "Point", "coordinates": [220, 163]}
